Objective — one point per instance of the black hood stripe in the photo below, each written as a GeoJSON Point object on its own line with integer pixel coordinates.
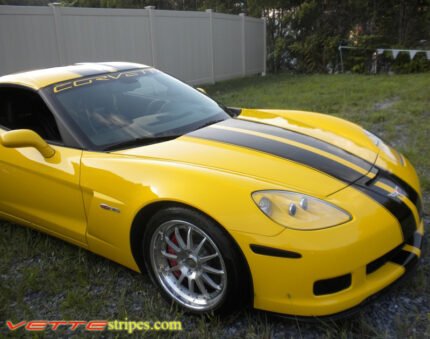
{"type": "Point", "coordinates": [317, 161]}
{"type": "Point", "coordinates": [298, 137]}
{"type": "Point", "coordinates": [398, 208]}
{"type": "Point", "coordinates": [392, 180]}
{"type": "Point", "coordinates": [280, 149]}
{"type": "Point", "coordinates": [383, 176]}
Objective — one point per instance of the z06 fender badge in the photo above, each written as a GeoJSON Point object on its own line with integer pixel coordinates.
{"type": "Point", "coordinates": [110, 208]}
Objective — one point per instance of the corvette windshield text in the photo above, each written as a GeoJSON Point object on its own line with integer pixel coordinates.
{"type": "Point", "coordinates": [64, 86]}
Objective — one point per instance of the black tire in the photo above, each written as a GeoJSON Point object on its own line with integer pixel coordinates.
{"type": "Point", "coordinates": [237, 293]}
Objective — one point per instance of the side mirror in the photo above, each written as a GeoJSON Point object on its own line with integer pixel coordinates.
{"type": "Point", "coordinates": [26, 138]}
{"type": "Point", "coordinates": [201, 90]}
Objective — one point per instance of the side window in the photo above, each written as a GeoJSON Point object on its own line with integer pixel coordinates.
{"type": "Point", "coordinates": [25, 109]}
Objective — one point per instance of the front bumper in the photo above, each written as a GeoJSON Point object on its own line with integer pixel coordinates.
{"type": "Point", "coordinates": [410, 266]}
{"type": "Point", "coordinates": [350, 263]}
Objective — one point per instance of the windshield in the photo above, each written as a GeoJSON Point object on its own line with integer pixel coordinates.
{"type": "Point", "coordinates": [134, 106]}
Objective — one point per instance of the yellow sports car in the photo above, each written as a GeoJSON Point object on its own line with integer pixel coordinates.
{"type": "Point", "coordinates": [292, 212]}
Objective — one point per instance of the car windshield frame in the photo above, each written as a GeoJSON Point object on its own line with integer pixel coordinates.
{"type": "Point", "coordinates": [51, 94]}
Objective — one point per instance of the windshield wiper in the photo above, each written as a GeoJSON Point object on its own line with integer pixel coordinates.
{"type": "Point", "coordinates": [139, 142]}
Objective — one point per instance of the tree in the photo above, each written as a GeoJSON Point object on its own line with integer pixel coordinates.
{"type": "Point", "coordinates": [304, 35]}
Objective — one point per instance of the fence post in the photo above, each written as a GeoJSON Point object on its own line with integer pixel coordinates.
{"type": "Point", "coordinates": [58, 31]}
{"type": "Point", "coordinates": [151, 34]}
{"type": "Point", "coordinates": [264, 47]}
{"type": "Point", "coordinates": [242, 15]}
{"type": "Point", "coordinates": [211, 46]}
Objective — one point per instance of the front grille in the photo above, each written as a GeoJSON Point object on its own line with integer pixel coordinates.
{"type": "Point", "coordinates": [332, 285]}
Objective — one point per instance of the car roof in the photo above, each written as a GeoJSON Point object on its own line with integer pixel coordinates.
{"type": "Point", "coordinates": [40, 78]}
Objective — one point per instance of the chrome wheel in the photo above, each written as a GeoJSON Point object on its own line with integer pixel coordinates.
{"type": "Point", "coordinates": [188, 265]}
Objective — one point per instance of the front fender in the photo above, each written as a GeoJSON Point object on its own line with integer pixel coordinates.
{"type": "Point", "coordinates": [116, 187]}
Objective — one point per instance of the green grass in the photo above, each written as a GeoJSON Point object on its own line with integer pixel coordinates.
{"type": "Point", "coordinates": [42, 277]}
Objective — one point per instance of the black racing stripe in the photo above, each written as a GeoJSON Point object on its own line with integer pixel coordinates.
{"type": "Point", "coordinates": [389, 178]}
{"type": "Point", "coordinates": [298, 137]}
{"type": "Point", "coordinates": [412, 194]}
{"type": "Point", "coordinates": [280, 149]}
{"type": "Point", "coordinates": [397, 207]}
{"type": "Point", "coordinates": [371, 185]}
{"type": "Point", "coordinates": [366, 180]}
{"type": "Point", "coordinates": [374, 171]}
{"type": "Point", "coordinates": [416, 240]}
{"type": "Point", "coordinates": [405, 258]}
{"type": "Point", "coordinates": [392, 180]}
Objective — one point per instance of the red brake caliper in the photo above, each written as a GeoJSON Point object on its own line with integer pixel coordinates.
{"type": "Point", "coordinates": [173, 262]}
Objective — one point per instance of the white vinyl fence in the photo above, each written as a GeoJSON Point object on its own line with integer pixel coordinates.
{"type": "Point", "coordinates": [197, 47]}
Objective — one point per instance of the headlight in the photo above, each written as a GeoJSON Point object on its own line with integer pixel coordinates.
{"type": "Point", "coordinates": [299, 211]}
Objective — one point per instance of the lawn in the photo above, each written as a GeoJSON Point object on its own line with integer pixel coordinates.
{"type": "Point", "coordinates": [45, 278]}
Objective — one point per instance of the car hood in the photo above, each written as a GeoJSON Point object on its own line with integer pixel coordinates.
{"type": "Point", "coordinates": [308, 152]}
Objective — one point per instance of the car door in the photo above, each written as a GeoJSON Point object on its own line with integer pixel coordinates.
{"type": "Point", "coordinates": [42, 191]}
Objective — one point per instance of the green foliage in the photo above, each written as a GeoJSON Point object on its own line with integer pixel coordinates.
{"type": "Point", "coordinates": [307, 52]}
{"type": "Point", "coordinates": [404, 65]}
{"type": "Point", "coordinates": [304, 35]}
{"type": "Point", "coordinates": [313, 30]}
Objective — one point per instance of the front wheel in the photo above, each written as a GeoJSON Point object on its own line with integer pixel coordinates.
{"type": "Point", "coordinates": [194, 262]}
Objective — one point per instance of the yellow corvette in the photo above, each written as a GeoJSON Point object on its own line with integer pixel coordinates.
{"type": "Point", "coordinates": [292, 212]}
